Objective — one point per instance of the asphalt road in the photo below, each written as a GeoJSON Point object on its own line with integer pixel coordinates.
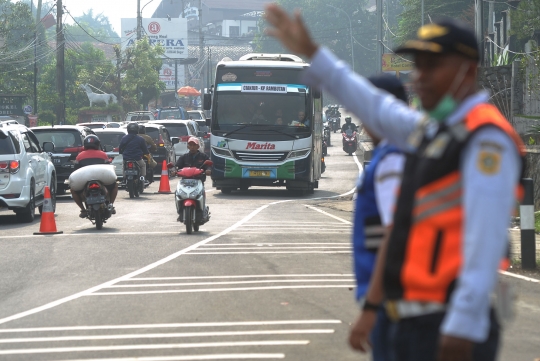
{"type": "Point", "coordinates": [269, 277]}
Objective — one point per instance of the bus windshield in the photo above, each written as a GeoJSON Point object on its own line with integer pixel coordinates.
{"type": "Point", "coordinates": [256, 113]}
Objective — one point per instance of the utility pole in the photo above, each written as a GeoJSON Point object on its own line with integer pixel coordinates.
{"type": "Point", "coordinates": [139, 20]}
{"type": "Point", "coordinates": [37, 35]}
{"type": "Point", "coordinates": [380, 49]}
{"type": "Point", "coordinates": [479, 29]}
{"type": "Point", "coordinates": [201, 43]}
{"type": "Point", "coordinates": [60, 70]}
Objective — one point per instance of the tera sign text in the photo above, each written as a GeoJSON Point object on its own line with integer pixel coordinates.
{"type": "Point", "coordinates": [171, 34]}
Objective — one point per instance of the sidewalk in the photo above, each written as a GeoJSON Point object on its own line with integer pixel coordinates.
{"type": "Point", "coordinates": [515, 239]}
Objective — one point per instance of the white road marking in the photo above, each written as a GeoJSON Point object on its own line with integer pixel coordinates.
{"type": "Point", "coordinates": [164, 335]}
{"type": "Point", "coordinates": [510, 274]}
{"type": "Point", "coordinates": [152, 347]}
{"type": "Point", "coordinates": [226, 283]}
{"type": "Point", "coordinates": [284, 243]}
{"type": "Point", "coordinates": [277, 231]}
{"type": "Point", "coordinates": [170, 325]}
{"type": "Point", "coordinates": [269, 252]}
{"type": "Point", "coordinates": [360, 167]}
{"type": "Point", "coordinates": [134, 273]}
{"type": "Point", "coordinates": [198, 290]}
{"type": "Point", "coordinates": [227, 356]}
{"type": "Point", "coordinates": [328, 214]}
{"type": "Point", "coordinates": [270, 246]}
{"type": "Point", "coordinates": [236, 277]}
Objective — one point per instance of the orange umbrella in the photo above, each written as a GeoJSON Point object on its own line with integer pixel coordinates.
{"type": "Point", "coordinates": [188, 91]}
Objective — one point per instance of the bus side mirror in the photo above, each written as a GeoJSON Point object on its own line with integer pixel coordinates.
{"type": "Point", "coordinates": [316, 94]}
{"type": "Point", "coordinates": [207, 101]}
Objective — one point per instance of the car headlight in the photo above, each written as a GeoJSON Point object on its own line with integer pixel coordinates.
{"type": "Point", "coordinates": [299, 153]}
{"type": "Point", "coordinates": [221, 152]}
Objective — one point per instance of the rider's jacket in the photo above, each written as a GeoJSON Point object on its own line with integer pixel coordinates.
{"type": "Point", "coordinates": [149, 142]}
{"type": "Point", "coordinates": [193, 160]}
{"type": "Point", "coordinates": [346, 127]}
{"type": "Point", "coordinates": [92, 156]}
{"type": "Point", "coordinates": [132, 147]}
{"type": "Point", "coordinates": [368, 228]}
{"type": "Point", "coordinates": [425, 247]}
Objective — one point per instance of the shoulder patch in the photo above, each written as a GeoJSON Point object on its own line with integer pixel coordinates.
{"type": "Point", "coordinates": [489, 162]}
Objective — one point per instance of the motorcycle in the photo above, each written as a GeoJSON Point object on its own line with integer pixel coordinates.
{"type": "Point", "coordinates": [190, 198]}
{"type": "Point", "coordinates": [336, 123]}
{"type": "Point", "coordinates": [96, 200]}
{"type": "Point", "coordinates": [134, 180]}
{"type": "Point", "coordinates": [350, 143]}
{"type": "Point", "coordinates": [323, 165]}
{"type": "Point", "coordinates": [324, 148]}
{"type": "Point", "coordinates": [326, 134]}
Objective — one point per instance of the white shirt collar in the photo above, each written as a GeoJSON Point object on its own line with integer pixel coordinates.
{"type": "Point", "coordinates": [466, 106]}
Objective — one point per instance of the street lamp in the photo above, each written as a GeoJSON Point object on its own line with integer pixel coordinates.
{"type": "Point", "coordinates": [350, 30]}
{"type": "Point", "coordinates": [139, 17]}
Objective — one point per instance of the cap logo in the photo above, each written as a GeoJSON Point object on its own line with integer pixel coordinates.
{"type": "Point", "coordinates": [431, 31]}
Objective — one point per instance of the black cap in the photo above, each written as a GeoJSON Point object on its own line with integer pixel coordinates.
{"type": "Point", "coordinates": [391, 84]}
{"type": "Point", "coordinates": [443, 36]}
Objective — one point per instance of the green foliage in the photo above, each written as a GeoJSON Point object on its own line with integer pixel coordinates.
{"type": "Point", "coordinates": [525, 19]}
{"type": "Point", "coordinates": [531, 141]}
{"type": "Point", "coordinates": [411, 19]}
{"type": "Point", "coordinates": [331, 28]}
{"type": "Point", "coordinates": [141, 81]}
{"type": "Point", "coordinates": [46, 117]}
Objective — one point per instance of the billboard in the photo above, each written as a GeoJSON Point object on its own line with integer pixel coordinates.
{"type": "Point", "coordinates": [394, 62]}
{"type": "Point", "coordinates": [171, 34]}
{"type": "Point", "coordinates": [166, 75]}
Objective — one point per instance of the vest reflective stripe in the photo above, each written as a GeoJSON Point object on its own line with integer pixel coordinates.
{"type": "Point", "coordinates": [425, 252]}
{"type": "Point", "coordinates": [374, 236]}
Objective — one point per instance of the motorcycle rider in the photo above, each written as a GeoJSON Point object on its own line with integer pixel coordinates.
{"type": "Point", "coordinates": [194, 158]}
{"type": "Point", "coordinates": [133, 147]}
{"type": "Point", "coordinates": [349, 125]}
{"type": "Point", "coordinates": [150, 144]}
{"type": "Point", "coordinates": [92, 154]}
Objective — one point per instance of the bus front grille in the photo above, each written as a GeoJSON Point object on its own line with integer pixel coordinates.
{"type": "Point", "coordinates": [261, 156]}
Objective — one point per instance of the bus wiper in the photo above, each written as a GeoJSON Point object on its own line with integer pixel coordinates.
{"type": "Point", "coordinates": [242, 127]}
{"type": "Point", "coordinates": [281, 132]}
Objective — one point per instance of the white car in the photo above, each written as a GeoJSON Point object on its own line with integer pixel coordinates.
{"type": "Point", "coordinates": [182, 130]}
{"type": "Point", "coordinates": [25, 170]}
{"type": "Point", "coordinates": [111, 137]}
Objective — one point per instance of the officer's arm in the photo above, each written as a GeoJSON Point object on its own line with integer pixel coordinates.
{"type": "Point", "coordinates": [383, 114]}
{"type": "Point", "coordinates": [490, 168]}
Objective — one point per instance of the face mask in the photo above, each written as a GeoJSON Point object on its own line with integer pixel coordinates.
{"type": "Point", "coordinates": [446, 106]}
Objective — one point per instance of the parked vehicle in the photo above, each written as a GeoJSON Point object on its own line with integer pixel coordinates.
{"type": "Point", "coordinates": [172, 113]}
{"type": "Point", "coordinates": [199, 117]}
{"type": "Point", "coordinates": [180, 131]}
{"type": "Point", "coordinates": [350, 143]}
{"type": "Point", "coordinates": [140, 116]}
{"type": "Point", "coordinates": [25, 170]}
{"type": "Point", "coordinates": [112, 137]}
{"type": "Point", "coordinates": [165, 147]}
{"type": "Point", "coordinates": [134, 181]}
{"type": "Point", "coordinates": [191, 199]}
{"type": "Point", "coordinates": [68, 143]}
{"type": "Point", "coordinates": [100, 125]}
{"type": "Point", "coordinates": [196, 115]}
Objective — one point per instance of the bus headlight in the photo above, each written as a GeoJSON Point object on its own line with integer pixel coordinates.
{"type": "Point", "coordinates": [299, 153]}
{"type": "Point", "coordinates": [221, 152]}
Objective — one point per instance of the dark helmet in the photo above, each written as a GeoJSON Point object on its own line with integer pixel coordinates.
{"type": "Point", "coordinates": [391, 84]}
{"type": "Point", "coordinates": [348, 119]}
{"type": "Point", "coordinates": [142, 129]}
{"type": "Point", "coordinates": [133, 128]}
{"type": "Point", "coordinates": [92, 142]}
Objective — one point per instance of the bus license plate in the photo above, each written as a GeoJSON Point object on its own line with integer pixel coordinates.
{"type": "Point", "coordinates": [259, 173]}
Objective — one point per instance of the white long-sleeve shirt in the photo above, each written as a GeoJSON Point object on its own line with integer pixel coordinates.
{"type": "Point", "coordinates": [490, 167]}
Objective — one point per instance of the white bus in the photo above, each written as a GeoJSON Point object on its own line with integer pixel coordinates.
{"type": "Point", "coordinates": [266, 124]}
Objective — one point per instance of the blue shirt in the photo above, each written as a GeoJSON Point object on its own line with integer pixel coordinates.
{"type": "Point", "coordinates": [132, 147]}
{"type": "Point", "coordinates": [488, 197]}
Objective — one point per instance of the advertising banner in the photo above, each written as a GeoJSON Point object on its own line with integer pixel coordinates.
{"type": "Point", "coordinates": [171, 34]}
{"type": "Point", "coordinates": [394, 62]}
{"type": "Point", "coordinates": [166, 75]}
{"type": "Point", "coordinates": [11, 105]}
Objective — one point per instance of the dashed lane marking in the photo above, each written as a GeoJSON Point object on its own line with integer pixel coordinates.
{"type": "Point", "coordinates": [328, 214]}
{"type": "Point", "coordinates": [224, 283]}
{"type": "Point", "coordinates": [270, 252]}
{"type": "Point", "coordinates": [229, 356]}
{"type": "Point", "coordinates": [238, 277]}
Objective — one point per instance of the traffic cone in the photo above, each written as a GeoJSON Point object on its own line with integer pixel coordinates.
{"type": "Point", "coordinates": [164, 186]}
{"type": "Point", "coordinates": [48, 224]}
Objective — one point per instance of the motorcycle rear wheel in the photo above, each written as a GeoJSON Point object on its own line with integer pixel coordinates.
{"type": "Point", "coordinates": [136, 189]}
{"type": "Point", "coordinates": [188, 220]}
{"type": "Point", "coordinates": [130, 186]}
{"type": "Point", "coordinates": [99, 220]}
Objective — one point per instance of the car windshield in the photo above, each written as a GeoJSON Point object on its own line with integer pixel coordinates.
{"type": "Point", "coordinates": [202, 125]}
{"type": "Point", "coordinates": [170, 114]}
{"type": "Point", "coordinates": [177, 130]}
{"type": "Point", "coordinates": [6, 144]}
{"type": "Point", "coordinates": [61, 138]}
{"type": "Point", "coordinates": [195, 115]}
{"type": "Point", "coordinates": [112, 139]}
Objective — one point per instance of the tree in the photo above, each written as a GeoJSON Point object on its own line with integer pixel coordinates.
{"type": "Point", "coordinates": [525, 19]}
{"type": "Point", "coordinates": [89, 28]}
{"type": "Point", "coordinates": [330, 27]}
{"type": "Point", "coordinates": [142, 63]}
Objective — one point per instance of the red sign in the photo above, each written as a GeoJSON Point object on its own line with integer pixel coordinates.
{"type": "Point", "coordinates": [33, 120]}
{"type": "Point", "coordinates": [259, 146]}
{"type": "Point", "coordinates": [154, 27]}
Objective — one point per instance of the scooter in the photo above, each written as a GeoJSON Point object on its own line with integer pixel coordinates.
{"type": "Point", "coordinates": [350, 143]}
{"type": "Point", "coordinates": [326, 134]}
{"type": "Point", "coordinates": [133, 178]}
{"type": "Point", "coordinates": [96, 200]}
{"type": "Point", "coordinates": [190, 198]}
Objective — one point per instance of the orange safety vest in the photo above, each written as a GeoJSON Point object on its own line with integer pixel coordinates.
{"type": "Point", "coordinates": [425, 251]}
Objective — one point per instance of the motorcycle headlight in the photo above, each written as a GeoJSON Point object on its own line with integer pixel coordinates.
{"type": "Point", "coordinates": [299, 153]}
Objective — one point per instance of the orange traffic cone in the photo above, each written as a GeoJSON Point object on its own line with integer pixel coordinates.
{"type": "Point", "coordinates": [48, 224]}
{"type": "Point", "coordinates": [164, 186]}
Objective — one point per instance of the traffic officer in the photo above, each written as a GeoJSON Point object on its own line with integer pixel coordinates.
{"type": "Point", "coordinates": [375, 202]}
{"type": "Point", "coordinates": [463, 167]}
